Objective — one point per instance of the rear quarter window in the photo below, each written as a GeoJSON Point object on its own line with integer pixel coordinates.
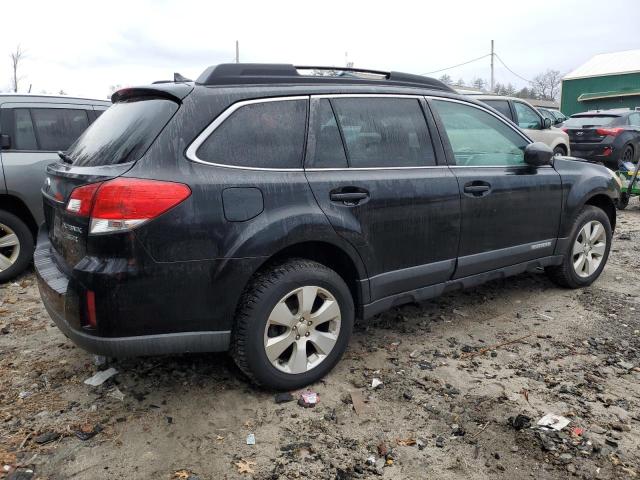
{"type": "Point", "coordinates": [123, 133]}
{"type": "Point", "coordinates": [259, 135]}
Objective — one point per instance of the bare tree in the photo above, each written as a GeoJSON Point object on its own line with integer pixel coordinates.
{"type": "Point", "coordinates": [446, 79]}
{"type": "Point", "coordinates": [479, 83]}
{"type": "Point", "coordinates": [16, 58]}
{"type": "Point", "coordinates": [547, 85]}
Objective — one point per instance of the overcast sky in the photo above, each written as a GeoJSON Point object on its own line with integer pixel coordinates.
{"type": "Point", "coordinates": [83, 49]}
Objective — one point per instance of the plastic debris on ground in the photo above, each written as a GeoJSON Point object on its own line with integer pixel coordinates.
{"type": "Point", "coordinates": [251, 439]}
{"type": "Point", "coordinates": [520, 422]}
{"type": "Point", "coordinates": [101, 377]}
{"type": "Point", "coordinates": [87, 431]}
{"type": "Point", "coordinates": [308, 399]}
{"type": "Point", "coordinates": [555, 422]}
{"type": "Point", "coordinates": [117, 394]}
{"type": "Point", "coordinates": [375, 383]}
{"type": "Point", "coordinates": [283, 397]}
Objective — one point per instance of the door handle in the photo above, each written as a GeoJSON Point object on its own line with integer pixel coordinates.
{"type": "Point", "coordinates": [349, 197]}
{"type": "Point", "coordinates": [477, 188]}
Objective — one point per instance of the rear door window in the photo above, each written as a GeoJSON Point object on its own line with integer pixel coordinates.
{"type": "Point", "coordinates": [384, 132]}
{"type": "Point", "coordinates": [634, 119]}
{"type": "Point", "coordinates": [324, 148]}
{"type": "Point", "coordinates": [259, 135]}
{"type": "Point", "coordinates": [24, 135]}
{"type": "Point", "coordinates": [123, 133]}
{"type": "Point", "coordinates": [57, 128]}
{"type": "Point", "coordinates": [502, 106]}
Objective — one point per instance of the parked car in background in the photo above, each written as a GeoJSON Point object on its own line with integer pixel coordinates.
{"type": "Point", "coordinates": [263, 217]}
{"type": "Point", "coordinates": [608, 136]}
{"type": "Point", "coordinates": [535, 125]}
{"type": "Point", "coordinates": [560, 117]}
{"type": "Point", "coordinates": [547, 114]}
{"type": "Point", "coordinates": [33, 128]}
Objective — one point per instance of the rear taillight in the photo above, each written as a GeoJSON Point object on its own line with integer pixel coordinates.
{"type": "Point", "coordinates": [81, 199]}
{"type": "Point", "coordinates": [565, 129]}
{"type": "Point", "coordinates": [614, 132]}
{"type": "Point", "coordinates": [124, 203]}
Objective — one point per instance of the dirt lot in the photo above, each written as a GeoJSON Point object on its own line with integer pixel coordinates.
{"type": "Point", "coordinates": [453, 372]}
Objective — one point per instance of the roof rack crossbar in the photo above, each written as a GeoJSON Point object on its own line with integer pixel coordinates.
{"type": "Point", "coordinates": [282, 73]}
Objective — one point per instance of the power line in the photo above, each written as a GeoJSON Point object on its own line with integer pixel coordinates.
{"type": "Point", "coordinates": [505, 66]}
{"type": "Point", "coordinates": [458, 65]}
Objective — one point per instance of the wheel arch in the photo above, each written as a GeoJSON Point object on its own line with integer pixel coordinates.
{"type": "Point", "coordinates": [332, 256]}
{"type": "Point", "coordinates": [605, 203]}
{"type": "Point", "coordinates": [18, 208]}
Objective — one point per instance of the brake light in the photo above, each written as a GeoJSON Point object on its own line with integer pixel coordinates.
{"type": "Point", "coordinates": [614, 132]}
{"type": "Point", "coordinates": [564, 129]}
{"type": "Point", "coordinates": [124, 203]}
{"type": "Point", "coordinates": [81, 199]}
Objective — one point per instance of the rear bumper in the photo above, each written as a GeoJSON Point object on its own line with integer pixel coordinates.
{"type": "Point", "coordinates": [61, 300]}
{"type": "Point", "coordinates": [595, 153]}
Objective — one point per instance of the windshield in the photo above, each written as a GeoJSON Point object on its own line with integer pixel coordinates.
{"type": "Point", "coordinates": [123, 133]}
{"type": "Point", "coordinates": [590, 121]}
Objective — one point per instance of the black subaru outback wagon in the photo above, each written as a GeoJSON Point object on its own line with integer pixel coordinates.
{"type": "Point", "coordinates": [262, 208]}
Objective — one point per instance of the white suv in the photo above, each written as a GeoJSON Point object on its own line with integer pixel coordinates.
{"type": "Point", "coordinates": [538, 128]}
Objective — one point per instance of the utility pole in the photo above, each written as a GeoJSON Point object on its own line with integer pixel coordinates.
{"type": "Point", "coordinates": [492, 79]}
{"type": "Point", "coordinates": [238, 52]}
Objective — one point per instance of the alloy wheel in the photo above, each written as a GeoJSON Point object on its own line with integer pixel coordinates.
{"type": "Point", "coordinates": [9, 247]}
{"type": "Point", "coordinates": [589, 248]}
{"type": "Point", "coordinates": [302, 329]}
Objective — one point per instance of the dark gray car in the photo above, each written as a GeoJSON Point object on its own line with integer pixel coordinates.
{"type": "Point", "coordinates": [33, 128]}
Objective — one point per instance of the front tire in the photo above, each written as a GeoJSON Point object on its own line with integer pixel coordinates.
{"type": "Point", "coordinates": [587, 252]}
{"type": "Point", "coordinates": [293, 325]}
{"type": "Point", "coordinates": [16, 246]}
{"type": "Point", "coordinates": [559, 150]}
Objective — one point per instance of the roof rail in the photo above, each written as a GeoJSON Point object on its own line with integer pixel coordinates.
{"type": "Point", "coordinates": [279, 73]}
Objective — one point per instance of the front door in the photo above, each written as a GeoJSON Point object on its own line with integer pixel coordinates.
{"type": "Point", "coordinates": [375, 174]}
{"type": "Point", "coordinates": [510, 211]}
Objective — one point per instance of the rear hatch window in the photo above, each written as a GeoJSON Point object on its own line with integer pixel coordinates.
{"type": "Point", "coordinates": [591, 121]}
{"type": "Point", "coordinates": [583, 128]}
{"type": "Point", "coordinates": [123, 133]}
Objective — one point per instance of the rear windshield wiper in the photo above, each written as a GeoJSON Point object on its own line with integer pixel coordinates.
{"type": "Point", "coordinates": [64, 157]}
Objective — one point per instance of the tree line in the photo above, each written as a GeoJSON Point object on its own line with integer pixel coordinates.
{"type": "Point", "coordinates": [544, 86]}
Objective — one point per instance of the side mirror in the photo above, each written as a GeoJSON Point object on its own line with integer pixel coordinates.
{"type": "Point", "coordinates": [5, 141]}
{"type": "Point", "coordinates": [546, 123]}
{"type": "Point", "coordinates": [538, 154]}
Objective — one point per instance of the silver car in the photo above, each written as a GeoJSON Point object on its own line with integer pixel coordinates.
{"type": "Point", "coordinates": [33, 128]}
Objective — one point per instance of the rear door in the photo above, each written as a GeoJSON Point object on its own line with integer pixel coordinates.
{"type": "Point", "coordinates": [37, 132]}
{"type": "Point", "coordinates": [381, 180]}
{"type": "Point", "coordinates": [510, 211]}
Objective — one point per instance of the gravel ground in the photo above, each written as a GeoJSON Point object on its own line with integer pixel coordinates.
{"type": "Point", "coordinates": [465, 379]}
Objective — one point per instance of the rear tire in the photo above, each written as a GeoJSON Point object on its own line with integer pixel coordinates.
{"type": "Point", "coordinates": [587, 252]}
{"type": "Point", "coordinates": [16, 246]}
{"type": "Point", "coordinates": [301, 305]}
{"type": "Point", "coordinates": [627, 155]}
